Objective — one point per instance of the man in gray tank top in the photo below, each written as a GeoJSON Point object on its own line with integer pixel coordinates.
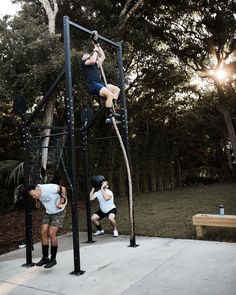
{"type": "Point", "coordinates": [54, 199]}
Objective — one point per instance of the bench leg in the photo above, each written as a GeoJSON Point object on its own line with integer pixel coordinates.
{"type": "Point", "coordinates": [201, 231]}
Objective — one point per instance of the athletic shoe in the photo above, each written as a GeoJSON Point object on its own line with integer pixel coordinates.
{"type": "Point", "coordinates": [116, 115]}
{"type": "Point", "coordinates": [51, 263]}
{"type": "Point", "coordinates": [99, 232]}
{"type": "Point", "coordinates": [109, 121]}
{"type": "Point", "coordinates": [42, 261]}
{"type": "Point", "coordinates": [115, 233]}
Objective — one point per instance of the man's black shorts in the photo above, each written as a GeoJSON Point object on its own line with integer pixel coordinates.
{"type": "Point", "coordinates": [102, 214]}
{"type": "Point", "coordinates": [95, 87]}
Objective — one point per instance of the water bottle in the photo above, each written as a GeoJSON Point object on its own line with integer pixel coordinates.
{"type": "Point", "coordinates": [222, 210]}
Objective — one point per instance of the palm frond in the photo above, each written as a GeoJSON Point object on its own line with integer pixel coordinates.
{"type": "Point", "coordinates": [16, 175]}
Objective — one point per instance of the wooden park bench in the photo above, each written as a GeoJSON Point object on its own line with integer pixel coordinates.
{"type": "Point", "coordinates": [203, 220]}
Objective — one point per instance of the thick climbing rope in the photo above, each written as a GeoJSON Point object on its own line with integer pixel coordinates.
{"type": "Point", "coordinates": [131, 217]}
{"type": "Point", "coordinates": [131, 206]}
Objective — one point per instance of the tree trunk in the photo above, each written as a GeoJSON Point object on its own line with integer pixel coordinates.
{"type": "Point", "coordinates": [179, 173]}
{"type": "Point", "coordinates": [230, 128]}
{"type": "Point", "coordinates": [224, 109]}
{"type": "Point", "coordinates": [145, 159]}
{"type": "Point", "coordinates": [128, 11]}
{"type": "Point", "coordinates": [137, 180]}
{"type": "Point", "coordinates": [160, 177]}
{"type": "Point", "coordinates": [172, 175]}
{"type": "Point", "coordinates": [47, 119]}
{"type": "Point", "coordinates": [122, 181]}
{"type": "Point", "coordinates": [229, 158]}
{"type": "Point", "coordinates": [153, 176]}
{"type": "Point", "coordinates": [51, 8]}
{"type": "Point", "coordinates": [112, 150]}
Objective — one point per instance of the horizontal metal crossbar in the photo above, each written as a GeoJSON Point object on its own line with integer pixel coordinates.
{"type": "Point", "coordinates": [44, 136]}
{"type": "Point", "coordinates": [91, 33]}
{"type": "Point", "coordinates": [101, 138]}
{"type": "Point", "coordinates": [52, 146]}
{"type": "Point", "coordinates": [48, 127]}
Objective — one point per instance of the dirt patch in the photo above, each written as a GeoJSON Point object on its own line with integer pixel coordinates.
{"type": "Point", "coordinates": [12, 230]}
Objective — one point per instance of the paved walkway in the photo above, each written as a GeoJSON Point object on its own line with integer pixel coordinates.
{"type": "Point", "coordinates": [159, 266]}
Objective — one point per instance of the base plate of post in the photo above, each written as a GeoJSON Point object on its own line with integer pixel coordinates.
{"type": "Point", "coordinates": [90, 242]}
{"type": "Point", "coordinates": [28, 264]}
{"type": "Point", "coordinates": [133, 243]}
{"type": "Point", "coordinates": [133, 246]}
{"type": "Point", "coordinates": [77, 273]}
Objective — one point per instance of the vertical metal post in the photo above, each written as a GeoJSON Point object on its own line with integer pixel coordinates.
{"type": "Point", "coordinates": [123, 100]}
{"type": "Point", "coordinates": [86, 189]}
{"type": "Point", "coordinates": [28, 210]}
{"type": "Point", "coordinates": [125, 128]}
{"type": "Point", "coordinates": [71, 130]}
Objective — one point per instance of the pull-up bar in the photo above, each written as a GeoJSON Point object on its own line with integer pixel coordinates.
{"type": "Point", "coordinates": [91, 33]}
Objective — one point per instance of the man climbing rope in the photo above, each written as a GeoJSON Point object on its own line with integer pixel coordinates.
{"type": "Point", "coordinates": [90, 66]}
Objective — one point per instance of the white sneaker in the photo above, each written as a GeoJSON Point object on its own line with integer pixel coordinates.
{"type": "Point", "coordinates": [99, 233]}
{"type": "Point", "coordinates": [115, 233]}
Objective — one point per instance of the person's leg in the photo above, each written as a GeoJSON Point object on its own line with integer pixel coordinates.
{"type": "Point", "coordinates": [101, 90]}
{"type": "Point", "coordinates": [54, 241]}
{"type": "Point", "coordinates": [56, 222]}
{"type": "Point", "coordinates": [53, 235]}
{"type": "Point", "coordinates": [109, 96]}
{"type": "Point", "coordinates": [115, 90]}
{"type": "Point", "coordinates": [54, 246]}
{"type": "Point", "coordinates": [111, 218]}
{"type": "Point", "coordinates": [45, 244]}
{"type": "Point", "coordinates": [95, 220]}
{"type": "Point", "coordinates": [45, 234]}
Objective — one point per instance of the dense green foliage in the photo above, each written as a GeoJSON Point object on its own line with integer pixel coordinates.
{"type": "Point", "coordinates": [181, 116]}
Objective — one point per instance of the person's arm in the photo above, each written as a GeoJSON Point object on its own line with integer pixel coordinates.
{"type": "Point", "coordinates": [38, 204]}
{"type": "Point", "coordinates": [63, 196]}
{"type": "Point", "coordinates": [93, 59]}
{"type": "Point", "coordinates": [101, 55]}
{"type": "Point", "coordinates": [106, 195]}
{"type": "Point", "coordinates": [92, 195]}
{"type": "Point", "coordinates": [62, 191]}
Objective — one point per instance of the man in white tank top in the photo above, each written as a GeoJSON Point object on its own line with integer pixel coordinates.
{"type": "Point", "coordinates": [107, 208]}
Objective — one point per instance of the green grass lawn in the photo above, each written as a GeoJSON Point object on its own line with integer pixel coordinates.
{"type": "Point", "coordinates": [169, 213]}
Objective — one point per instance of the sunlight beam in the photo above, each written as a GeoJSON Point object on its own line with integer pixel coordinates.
{"type": "Point", "coordinates": [220, 75]}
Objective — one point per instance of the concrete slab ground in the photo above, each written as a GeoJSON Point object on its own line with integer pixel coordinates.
{"type": "Point", "coordinates": [158, 266]}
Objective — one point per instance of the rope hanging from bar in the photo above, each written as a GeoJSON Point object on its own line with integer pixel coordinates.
{"type": "Point", "coordinates": [131, 206]}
